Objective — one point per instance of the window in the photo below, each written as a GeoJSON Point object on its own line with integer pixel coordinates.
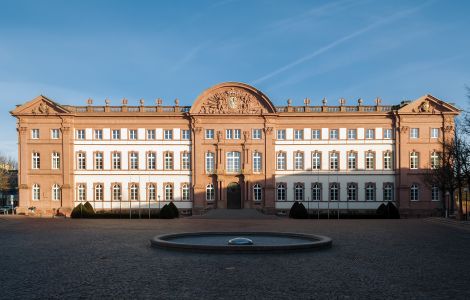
{"type": "Point", "coordinates": [298, 192]}
{"type": "Point", "coordinates": [81, 161]}
{"type": "Point", "coordinates": [168, 192]}
{"type": "Point", "coordinates": [116, 161]}
{"type": "Point", "coordinates": [98, 134]}
{"type": "Point", "coordinates": [168, 160]}
{"type": "Point", "coordinates": [316, 160]}
{"type": "Point", "coordinates": [387, 160]}
{"type": "Point", "coordinates": [209, 133]}
{"type": "Point", "coordinates": [152, 192]}
{"type": "Point", "coordinates": [210, 192]}
{"type": "Point", "coordinates": [370, 160]}
{"type": "Point", "coordinates": [414, 192]}
{"type": "Point", "coordinates": [387, 133]}
{"type": "Point", "coordinates": [352, 160]}
{"type": "Point", "coordinates": [210, 162]}
{"type": "Point", "coordinates": [185, 192]}
{"type": "Point", "coordinates": [151, 134]}
{"type": "Point", "coordinates": [151, 160]}
{"type": "Point", "coordinates": [168, 134]}
{"type": "Point", "coordinates": [99, 192]}
{"type": "Point", "coordinates": [133, 134]}
{"type": "Point", "coordinates": [316, 135]}
{"type": "Point", "coordinates": [55, 192]}
{"type": "Point", "coordinates": [36, 160]}
{"type": "Point", "coordinates": [134, 192]}
{"type": "Point", "coordinates": [236, 134]}
{"type": "Point", "coordinates": [281, 134]}
{"type": "Point", "coordinates": [228, 134]}
{"type": "Point", "coordinates": [316, 191]}
{"type": "Point", "coordinates": [233, 162]}
{"type": "Point", "coordinates": [281, 192]}
{"type": "Point", "coordinates": [81, 192]}
{"type": "Point", "coordinates": [117, 192]}
{"type": "Point", "coordinates": [281, 161]}
{"type": "Point", "coordinates": [36, 192]}
{"type": "Point", "coordinates": [55, 134]}
{"type": "Point", "coordinates": [434, 133]}
{"type": "Point", "coordinates": [435, 160]}
{"type": "Point", "coordinates": [334, 134]}
{"type": "Point", "coordinates": [99, 161]}
{"type": "Point", "coordinates": [435, 193]}
{"type": "Point", "coordinates": [185, 161]}
{"type": "Point", "coordinates": [299, 160]}
{"type": "Point", "coordinates": [116, 134]}
{"type": "Point", "coordinates": [352, 191]}
{"type": "Point", "coordinates": [298, 134]}
{"type": "Point", "coordinates": [185, 134]}
{"type": "Point", "coordinates": [80, 134]}
{"type": "Point", "coordinates": [414, 160]}
{"type": "Point", "coordinates": [256, 134]}
{"type": "Point", "coordinates": [257, 162]}
{"type": "Point", "coordinates": [334, 191]}
{"type": "Point", "coordinates": [35, 134]}
{"type": "Point", "coordinates": [370, 192]}
{"type": "Point", "coordinates": [370, 134]}
{"type": "Point", "coordinates": [414, 133]}
{"type": "Point", "coordinates": [257, 192]}
{"type": "Point", "coordinates": [352, 134]}
{"type": "Point", "coordinates": [388, 192]}
{"type": "Point", "coordinates": [55, 160]}
{"type": "Point", "coordinates": [334, 161]}
{"type": "Point", "coordinates": [134, 161]}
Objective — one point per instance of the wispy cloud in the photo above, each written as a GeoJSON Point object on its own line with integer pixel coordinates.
{"type": "Point", "coordinates": [188, 57]}
{"type": "Point", "coordinates": [342, 40]}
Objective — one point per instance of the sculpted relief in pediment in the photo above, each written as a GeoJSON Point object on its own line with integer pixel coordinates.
{"type": "Point", "coordinates": [231, 101]}
{"type": "Point", "coordinates": [41, 109]}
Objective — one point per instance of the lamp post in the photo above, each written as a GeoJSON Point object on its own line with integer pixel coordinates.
{"type": "Point", "coordinates": [159, 203]}
{"type": "Point", "coordinates": [308, 207]}
{"type": "Point", "coordinates": [466, 203]}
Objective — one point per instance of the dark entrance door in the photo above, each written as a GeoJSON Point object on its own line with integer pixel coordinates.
{"type": "Point", "coordinates": [234, 196]}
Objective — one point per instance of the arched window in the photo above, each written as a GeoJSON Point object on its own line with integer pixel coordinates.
{"type": "Point", "coordinates": [370, 160]}
{"type": "Point", "coordinates": [210, 192]}
{"type": "Point", "coordinates": [299, 160]}
{"type": "Point", "coordinates": [116, 157]}
{"type": "Point", "coordinates": [281, 192]}
{"type": "Point", "coordinates": [168, 192]}
{"type": "Point", "coordinates": [388, 192]}
{"type": "Point", "coordinates": [352, 160]}
{"type": "Point", "coordinates": [151, 160]}
{"type": "Point", "coordinates": [299, 192]}
{"type": "Point", "coordinates": [36, 192]}
{"type": "Point", "coordinates": [370, 192]}
{"type": "Point", "coordinates": [185, 192]}
{"type": "Point", "coordinates": [316, 160]}
{"type": "Point", "coordinates": [387, 160]}
{"type": "Point", "coordinates": [81, 161]}
{"type": "Point", "coordinates": [334, 161]}
{"type": "Point", "coordinates": [185, 161]}
{"type": "Point", "coordinates": [152, 192]}
{"type": "Point", "coordinates": [134, 192]}
{"type": "Point", "coordinates": [414, 192]}
{"type": "Point", "coordinates": [168, 161]}
{"type": "Point", "coordinates": [257, 192]}
{"type": "Point", "coordinates": [316, 191]}
{"type": "Point", "coordinates": [99, 192]}
{"type": "Point", "coordinates": [281, 161]}
{"type": "Point", "coordinates": [233, 162]}
{"type": "Point", "coordinates": [81, 192]}
{"type": "Point", "coordinates": [134, 161]}
{"type": "Point", "coordinates": [352, 191]}
{"type": "Point", "coordinates": [334, 191]}
{"type": "Point", "coordinates": [56, 192]}
{"type": "Point", "coordinates": [117, 193]}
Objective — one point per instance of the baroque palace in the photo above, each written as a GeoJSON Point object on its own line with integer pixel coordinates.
{"type": "Point", "coordinates": [231, 149]}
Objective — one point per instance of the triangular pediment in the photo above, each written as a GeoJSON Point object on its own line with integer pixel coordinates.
{"type": "Point", "coordinates": [428, 104]}
{"type": "Point", "coordinates": [40, 105]}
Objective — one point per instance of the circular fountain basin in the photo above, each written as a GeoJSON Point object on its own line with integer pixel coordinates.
{"type": "Point", "coordinates": [254, 242]}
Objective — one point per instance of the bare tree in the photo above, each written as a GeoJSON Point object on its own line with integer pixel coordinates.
{"type": "Point", "coordinates": [8, 174]}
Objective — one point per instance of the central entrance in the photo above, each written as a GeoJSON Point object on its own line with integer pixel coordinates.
{"type": "Point", "coordinates": [234, 196]}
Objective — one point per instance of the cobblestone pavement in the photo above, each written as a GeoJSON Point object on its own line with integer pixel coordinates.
{"type": "Point", "coordinates": [64, 258]}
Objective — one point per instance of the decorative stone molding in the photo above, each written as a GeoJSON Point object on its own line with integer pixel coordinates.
{"type": "Point", "coordinates": [42, 109]}
{"type": "Point", "coordinates": [231, 101]}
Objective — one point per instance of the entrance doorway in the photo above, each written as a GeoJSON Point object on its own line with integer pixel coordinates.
{"type": "Point", "coordinates": [234, 196]}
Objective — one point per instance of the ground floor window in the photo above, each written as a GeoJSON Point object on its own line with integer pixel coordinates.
{"type": "Point", "coordinates": [210, 192]}
{"type": "Point", "coordinates": [299, 192]}
{"type": "Point", "coordinates": [281, 192]}
{"type": "Point", "coordinates": [257, 192]}
{"type": "Point", "coordinates": [435, 193]}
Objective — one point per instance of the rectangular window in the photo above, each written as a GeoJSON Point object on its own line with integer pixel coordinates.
{"type": "Point", "coordinates": [210, 162]}
{"type": "Point", "coordinates": [35, 134]}
{"type": "Point", "coordinates": [334, 191]}
{"type": "Point", "coordinates": [334, 161]}
{"type": "Point", "coordinates": [80, 134]}
{"type": "Point", "coordinates": [185, 161]}
{"type": "Point", "coordinates": [299, 161]}
{"type": "Point", "coordinates": [185, 134]}
{"type": "Point", "coordinates": [99, 161]}
{"type": "Point", "coordinates": [168, 134]}
{"type": "Point", "coordinates": [116, 157]}
{"type": "Point", "coordinates": [352, 191]}
{"type": "Point", "coordinates": [116, 134]}
{"type": "Point", "coordinates": [388, 160]}
{"type": "Point", "coordinates": [55, 161]}
{"type": "Point", "coordinates": [151, 134]}
{"type": "Point", "coordinates": [98, 134]}
{"type": "Point", "coordinates": [168, 161]}
{"type": "Point", "coordinates": [435, 193]}
{"type": "Point", "coordinates": [388, 192]}
{"type": "Point", "coordinates": [370, 161]}
{"type": "Point", "coordinates": [99, 192]}
{"type": "Point", "coordinates": [316, 191]}
{"type": "Point", "coordinates": [298, 134]}
{"type": "Point", "coordinates": [370, 134]}
{"type": "Point", "coordinates": [209, 134]}
{"type": "Point", "coordinates": [133, 134]}
{"type": "Point", "coordinates": [316, 135]}
{"type": "Point", "coordinates": [434, 133]}
{"type": "Point", "coordinates": [370, 192]}
{"type": "Point", "coordinates": [387, 133]}
{"type": "Point", "coordinates": [256, 134]}
{"type": "Point", "coordinates": [81, 161]}
{"type": "Point", "coordinates": [281, 192]}
{"type": "Point", "coordinates": [334, 134]}
{"type": "Point", "coordinates": [316, 161]}
{"type": "Point", "coordinates": [257, 161]}
{"type": "Point", "coordinates": [352, 134]}
{"type": "Point", "coordinates": [151, 160]}
{"type": "Point", "coordinates": [281, 161]}
{"type": "Point", "coordinates": [228, 134]}
{"type": "Point", "coordinates": [55, 134]}
{"type": "Point", "coordinates": [236, 134]}
{"type": "Point", "coordinates": [414, 133]}
{"type": "Point", "coordinates": [414, 160]}
{"type": "Point", "coordinates": [134, 161]}
{"type": "Point", "coordinates": [36, 161]}
{"type": "Point", "coordinates": [281, 134]}
{"type": "Point", "coordinates": [435, 160]}
{"type": "Point", "coordinates": [352, 160]}
{"type": "Point", "coordinates": [233, 162]}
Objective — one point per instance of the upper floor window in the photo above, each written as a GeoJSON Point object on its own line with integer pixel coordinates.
{"type": "Point", "coordinates": [168, 157]}
{"type": "Point", "coordinates": [316, 160]}
{"type": "Point", "coordinates": [168, 192]}
{"type": "Point", "coordinates": [185, 192]}
{"type": "Point", "coordinates": [281, 161]}
{"type": "Point", "coordinates": [134, 192]}
{"type": "Point", "coordinates": [435, 160]}
{"type": "Point", "coordinates": [151, 160]}
{"type": "Point", "coordinates": [414, 160]}
{"type": "Point", "coordinates": [352, 134]}
{"type": "Point", "coordinates": [387, 160]}
{"type": "Point", "coordinates": [298, 134]}
{"type": "Point", "coordinates": [133, 134]}
{"type": "Point", "coordinates": [434, 133]}
{"type": "Point", "coordinates": [116, 158]}
{"type": "Point", "coordinates": [352, 160]}
{"type": "Point", "coordinates": [334, 161]}
{"type": "Point", "coordinates": [414, 192]}
{"type": "Point", "coordinates": [316, 135]}
{"type": "Point", "coordinates": [387, 133]}
{"type": "Point", "coordinates": [116, 134]}
{"type": "Point", "coordinates": [55, 160]}
{"type": "Point", "coordinates": [134, 161]}
{"type": "Point", "coordinates": [168, 134]}
{"type": "Point", "coordinates": [81, 161]}
{"type": "Point", "coordinates": [414, 133]}
{"type": "Point", "coordinates": [98, 134]}
{"type": "Point", "coordinates": [370, 134]}
{"type": "Point", "coordinates": [257, 192]}
{"type": "Point", "coordinates": [233, 161]}
{"type": "Point", "coordinates": [36, 192]}
{"type": "Point", "coordinates": [56, 192]}
{"type": "Point", "coordinates": [370, 160]}
{"type": "Point", "coordinates": [435, 194]}
{"type": "Point", "coordinates": [256, 162]}
{"type": "Point", "coordinates": [35, 134]}
{"type": "Point", "coordinates": [185, 161]}
{"type": "Point", "coordinates": [256, 134]}
{"type": "Point", "coordinates": [299, 160]}
{"type": "Point", "coordinates": [81, 192]}
{"type": "Point", "coordinates": [228, 134]}
{"type": "Point", "coordinates": [55, 134]}
{"type": "Point", "coordinates": [334, 134]}
{"type": "Point", "coordinates": [209, 134]}
{"type": "Point", "coordinates": [36, 160]}
{"type": "Point", "coordinates": [80, 134]}
{"type": "Point", "coordinates": [117, 192]}
{"type": "Point", "coordinates": [99, 161]}
{"type": "Point", "coordinates": [236, 134]}
{"type": "Point", "coordinates": [281, 134]}
{"type": "Point", "coordinates": [99, 192]}
{"type": "Point", "coordinates": [210, 162]}
{"type": "Point", "coordinates": [151, 134]}
{"type": "Point", "coordinates": [185, 134]}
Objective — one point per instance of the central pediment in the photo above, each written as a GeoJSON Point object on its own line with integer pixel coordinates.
{"type": "Point", "coordinates": [232, 98]}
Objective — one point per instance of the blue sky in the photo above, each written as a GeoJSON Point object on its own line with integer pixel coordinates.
{"type": "Point", "coordinates": [73, 50]}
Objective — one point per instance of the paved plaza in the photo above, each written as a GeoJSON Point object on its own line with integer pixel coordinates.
{"type": "Point", "coordinates": [67, 258]}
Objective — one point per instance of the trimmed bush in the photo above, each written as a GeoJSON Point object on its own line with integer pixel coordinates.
{"type": "Point", "coordinates": [298, 211]}
{"type": "Point", "coordinates": [166, 212]}
{"type": "Point", "coordinates": [89, 207]}
{"type": "Point", "coordinates": [392, 211]}
{"type": "Point", "coordinates": [81, 211]}
{"type": "Point", "coordinates": [174, 209]}
{"type": "Point", "coordinates": [382, 211]}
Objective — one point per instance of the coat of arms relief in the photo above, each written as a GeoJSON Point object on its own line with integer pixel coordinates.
{"type": "Point", "coordinates": [231, 101]}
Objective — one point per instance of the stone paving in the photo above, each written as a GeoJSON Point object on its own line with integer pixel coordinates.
{"type": "Point", "coordinates": [370, 259]}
